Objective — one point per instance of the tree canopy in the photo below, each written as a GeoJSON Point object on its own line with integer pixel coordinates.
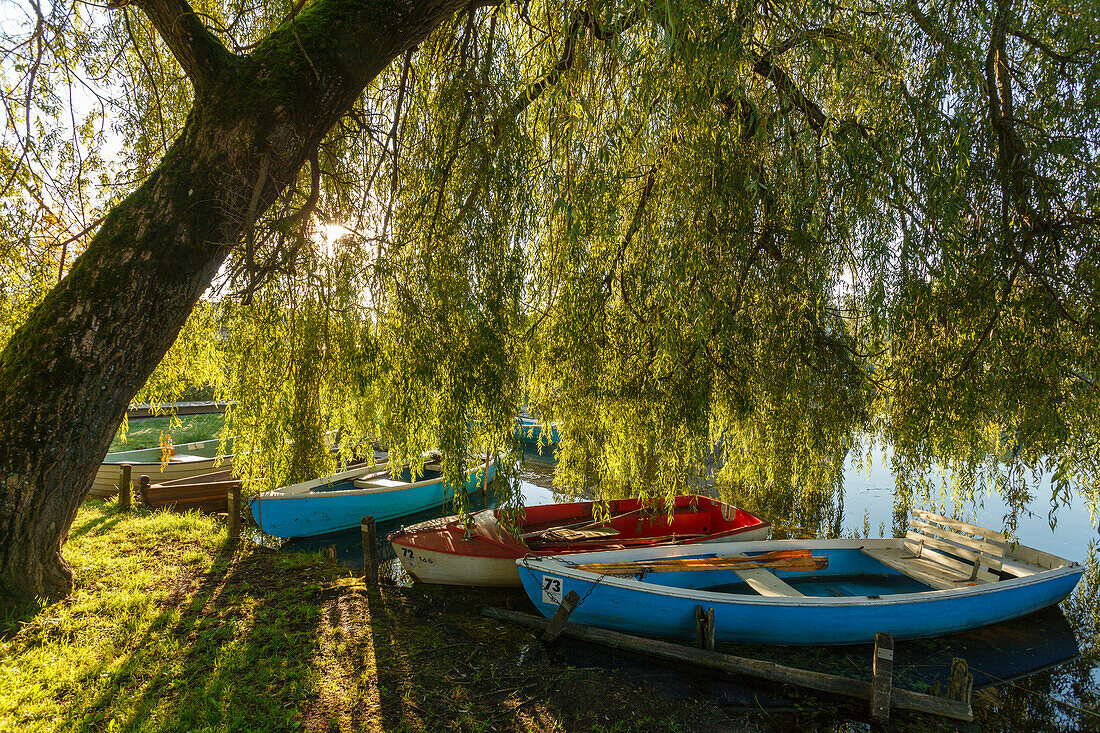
{"type": "Point", "coordinates": [687, 230]}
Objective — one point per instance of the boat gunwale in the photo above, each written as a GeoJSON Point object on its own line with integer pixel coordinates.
{"type": "Point", "coordinates": [156, 449]}
{"type": "Point", "coordinates": [453, 523]}
{"type": "Point", "coordinates": [558, 566]}
{"type": "Point", "coordinates": [280, 493]}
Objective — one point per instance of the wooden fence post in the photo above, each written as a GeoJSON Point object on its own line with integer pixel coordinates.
{"type": "Point", "coordinates": [124, 487]}
{"type": "Point", "coordinates": [370, 552]}
{"type": "Point", "coordinates": [233, 507]}
{"type": "Point", "coordinates": [145, 482]}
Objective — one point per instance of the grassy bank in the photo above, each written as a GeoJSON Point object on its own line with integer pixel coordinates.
{"type": "Point", "coordinates": [170, 629]}
{"type": "Point", "coordinates": [146, 432]}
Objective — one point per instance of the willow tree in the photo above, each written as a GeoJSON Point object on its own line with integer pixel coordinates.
{"type": "Point", "coordinates": [687, 230]}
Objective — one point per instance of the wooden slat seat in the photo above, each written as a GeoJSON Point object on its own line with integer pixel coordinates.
{"type": "Point", "coordinates": [923, 570]}
{"type": "Point", "coordinates": [946, 553]}
{"type": "Point", "coordinates": [765, 582]}
{"type": "Point", "coordinates": [187, 458]}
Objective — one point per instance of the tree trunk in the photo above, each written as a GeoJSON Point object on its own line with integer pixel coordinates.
{"type": "Point", "coordinates": [68, 374]}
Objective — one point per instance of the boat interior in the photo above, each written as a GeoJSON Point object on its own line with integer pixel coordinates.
{"type": "Point", "coordinates": [545, 527]}
{"type": "Point", "coordinates": [937, 553]}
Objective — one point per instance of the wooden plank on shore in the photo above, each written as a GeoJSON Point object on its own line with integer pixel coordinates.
{"type": "Point", "coordinates": [820, 681]}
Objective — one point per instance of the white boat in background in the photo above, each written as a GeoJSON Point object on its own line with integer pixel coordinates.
{"type": "Point", "coordinates": [189, 459]}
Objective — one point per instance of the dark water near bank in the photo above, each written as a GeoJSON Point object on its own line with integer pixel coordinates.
{"type": "Point", "coordinates": [1041, 672]}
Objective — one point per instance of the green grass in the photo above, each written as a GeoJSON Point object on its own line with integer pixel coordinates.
{"type": "Point", "coordinates": [145, 432]}
{"type": "Point", "coordinates": [170, 628]}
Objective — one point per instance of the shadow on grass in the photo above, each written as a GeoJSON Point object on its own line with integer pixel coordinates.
{"type": "Point", "coordinates": [102, 523]}
{"type": "Point", "coordinates": [13, 614]}
{"type": "Point", "coordinates": [229, 649]}
{"type": "Point", "coordinates": [440, 667]}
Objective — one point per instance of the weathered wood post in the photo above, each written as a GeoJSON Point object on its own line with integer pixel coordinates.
{"type": "Point", "coordinates": [125, 470]}
{"type": "Point", "coordinates": [882, 670]}
{"type": "Point", "coordinates": [961, 682]}
{"type": "Point", "coordinates": [704, 627]}
{"type": "Point", "coordinates": [370, 551]}
{"type": "Point", "coordinates": [233, 507]}
{"type": "Point", "coordinates": [144, 483]}
{"type": "Point", "coordinates": [554, 628]}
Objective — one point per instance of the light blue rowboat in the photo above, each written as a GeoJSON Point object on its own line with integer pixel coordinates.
{"type": "Point", "coordinates": [922, 585]}
{"type": "Point", "coordinates": [534, 437]}
{"type": "Point", "coordinates": [340, 501]}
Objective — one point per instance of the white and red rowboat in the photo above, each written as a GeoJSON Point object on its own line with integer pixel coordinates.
{"type": "Point", "coordinates": [479, 550]}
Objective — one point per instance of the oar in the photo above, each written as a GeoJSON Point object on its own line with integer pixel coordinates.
{"type": "Point", "coordinates": [795, 560]}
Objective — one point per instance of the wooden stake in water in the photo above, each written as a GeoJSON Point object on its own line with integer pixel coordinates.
{"type": "Point", "coordinates": [124, 487]}
{"type": "Point", "coordinates": [704, 627]}
{"type": "Point", "coordinates": [370, 551]}
{"type": "Point", "coordinates": [882, 668]}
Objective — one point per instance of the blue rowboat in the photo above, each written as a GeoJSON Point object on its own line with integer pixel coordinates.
{"type": "Point", "coordinates": [533, 436]}
{"type": "Point", "coordinates": [340, 501]}
{"type": "Point", "coordinates": [943, 576]}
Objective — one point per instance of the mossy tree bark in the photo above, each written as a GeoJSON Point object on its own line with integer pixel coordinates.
{"type": "Point", "coordinates": [68, 374]}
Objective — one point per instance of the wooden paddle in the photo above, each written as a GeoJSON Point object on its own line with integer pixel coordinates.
{"type": "Point", "coordinates": [795, 560]}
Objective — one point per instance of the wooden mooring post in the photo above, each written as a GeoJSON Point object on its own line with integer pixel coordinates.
{"type": "Point", "coordinates": [828, 683]}
{"type": "Point", "coordinates": [704, 627]}
{"type": "Point", "coordinates": [124, 477]}
{"type": "Point", "coordinates": [370, 550]}
{"type": "Point", "coordinates": [553, 629]}
{"type": "Point", "coordinates": [882, 671]}
{"type": "Point", "coordinates": [233, 509]}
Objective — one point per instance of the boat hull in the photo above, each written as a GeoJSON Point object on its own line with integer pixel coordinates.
{"type": "Point", "coordinates": [191, 459]}
{"type": "Point", "coordinates": [342, 507]}
{"type": "Point", "coordinates": [634, 606]}
{"type": "Point", "coordinates": [477, 551]}
{"type": "Point", "coordinates": [206, 493]}
{"type": "Point", "coordinates": [533, 437]}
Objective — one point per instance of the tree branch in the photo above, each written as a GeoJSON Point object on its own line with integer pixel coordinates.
{"type": "Point", "coordinates": [583, 20]}
{"type": "Point", "coordinates": [786, 88]}
{"type": "Point", "coordinates": [202, 56]}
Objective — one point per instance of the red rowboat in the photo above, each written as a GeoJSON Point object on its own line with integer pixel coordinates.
{"type": "Point", "coordinates": [479, 550]}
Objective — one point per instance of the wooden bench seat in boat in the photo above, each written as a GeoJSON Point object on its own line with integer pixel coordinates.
{"type": "Point", "coordinates": [945, 553]}
{"type": "Point", "coordinates": [187, 458]}
{"type": "Point", "coordinates": [765, 582]}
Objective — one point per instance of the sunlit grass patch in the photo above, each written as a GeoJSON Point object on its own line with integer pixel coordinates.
{"type": "Point", "coordinates": [146, 432]}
